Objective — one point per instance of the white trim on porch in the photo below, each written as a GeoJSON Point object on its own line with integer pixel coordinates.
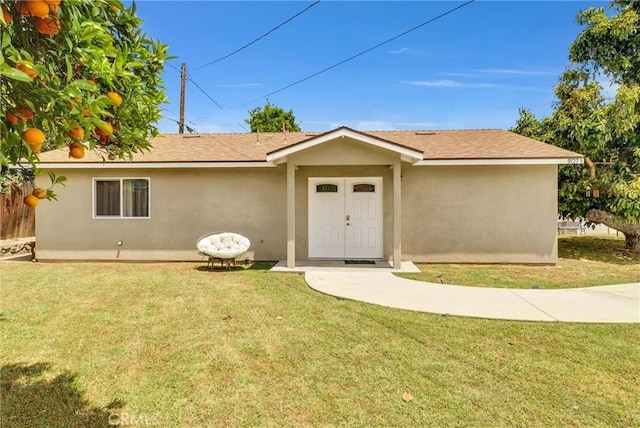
{"type": "Point", "coordinates": [407, 154]}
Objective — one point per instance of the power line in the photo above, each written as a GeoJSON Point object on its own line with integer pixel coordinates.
{"type": "Point", "coordinates": [190, 79]}
{"type": "Point", "coordinates": [173, 66]}
{"type": "Point", "coordinates": [190, 129]}
{"type": "Point", "coordinates": [360, 53]}
{"type": "Point", "coordinates": [172, 118]}
{"type": "Point", "coordinates": [261, 37]}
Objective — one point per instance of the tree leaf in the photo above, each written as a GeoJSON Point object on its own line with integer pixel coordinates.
{"type": "Point", "coordinates": [14, 73]}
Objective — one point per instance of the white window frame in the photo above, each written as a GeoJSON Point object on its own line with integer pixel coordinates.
{"type": "Point", "coordinates": [121, 216]}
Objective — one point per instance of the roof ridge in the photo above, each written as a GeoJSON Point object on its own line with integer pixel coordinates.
{"type": "Point", "coordinates": [323, 132]}
{"type": "Point", "coordinates": [175, 134]}
{"type": "Point", "coordinates": [439, 130]}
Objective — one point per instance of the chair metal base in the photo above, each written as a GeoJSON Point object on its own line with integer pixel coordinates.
{"type": "Point", "coordinates": [211, 263]}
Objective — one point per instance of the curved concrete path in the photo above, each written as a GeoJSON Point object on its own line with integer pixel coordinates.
{"type": "Point", "coordinates": [605, 304]}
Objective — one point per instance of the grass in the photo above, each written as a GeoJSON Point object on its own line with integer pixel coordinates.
{"type": "Point", "coordinates": [583, 261]}
{"type": "Point", "coordinates": [172, 345]}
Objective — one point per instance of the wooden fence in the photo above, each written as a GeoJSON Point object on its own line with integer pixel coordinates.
{"type": "Point", "coordinates": [16, 219]}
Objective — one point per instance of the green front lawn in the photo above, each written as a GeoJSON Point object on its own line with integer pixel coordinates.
{"type": "Point", "coordinates": [583, 261]}
{"type": "Point", "coordinates": [91, 344]}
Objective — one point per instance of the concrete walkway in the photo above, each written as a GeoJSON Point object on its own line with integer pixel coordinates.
{"type": "Point", "coordinates": [604, 304]}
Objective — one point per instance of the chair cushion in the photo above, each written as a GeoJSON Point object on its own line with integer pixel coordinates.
{"type": "Point", "coordinates": [223, 245]}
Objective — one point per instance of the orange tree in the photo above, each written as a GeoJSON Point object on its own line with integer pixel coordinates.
{"type": "Point", "coordinates": [75, 74]}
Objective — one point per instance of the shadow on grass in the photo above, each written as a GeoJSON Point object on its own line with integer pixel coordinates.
{"type": "Point", "coordinates": [595, 248]}
{"type": "Point", "coordinates": [241, 267]}
{"type": "Point", "coordinates": [264, 266]}
{"type": "Point", "coordinates": [31, 397]}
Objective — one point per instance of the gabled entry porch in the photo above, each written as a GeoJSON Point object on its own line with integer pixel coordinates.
{"type": "Point", "coordinates": [329, 218]}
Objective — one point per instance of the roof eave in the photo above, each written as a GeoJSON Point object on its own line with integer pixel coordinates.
{"type": "Point", "coordinates": [154, 165]}
{"type": "Point", "coordinates": [572, 160]}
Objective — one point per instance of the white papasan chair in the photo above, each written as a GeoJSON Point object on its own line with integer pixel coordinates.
{"type": "Point", "coordinates": [222, 246]}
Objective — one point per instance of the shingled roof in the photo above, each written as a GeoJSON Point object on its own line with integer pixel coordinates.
{"type": "Point", "coordinates": [254, 147]}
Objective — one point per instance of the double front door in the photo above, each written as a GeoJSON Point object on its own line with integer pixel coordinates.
{"type": "Point", "coordinates": [345, 217]}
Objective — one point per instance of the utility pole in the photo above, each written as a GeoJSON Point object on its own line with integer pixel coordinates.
{"type": "Point", "coordinates": [183, 79]}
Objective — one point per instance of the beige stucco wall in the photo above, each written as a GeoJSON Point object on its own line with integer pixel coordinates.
{"type": "Point", "coordinates": [480, 214]}
{"type": "Point", "coordinates": [486, 214]}
{"type": "Point", "coordinates": [185, 204]}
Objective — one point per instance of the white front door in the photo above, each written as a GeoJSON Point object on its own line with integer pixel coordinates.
{"type": "Point", "coordinates": [345, 217]}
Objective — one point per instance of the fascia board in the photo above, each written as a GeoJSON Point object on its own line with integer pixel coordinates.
{"type": "Point", "coordinates": [521, 161]}
{"type": "Point", "coordinates": [153, 165]}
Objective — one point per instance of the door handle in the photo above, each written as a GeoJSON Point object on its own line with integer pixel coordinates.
{"type": "Point", "coordinates": [348, 217]}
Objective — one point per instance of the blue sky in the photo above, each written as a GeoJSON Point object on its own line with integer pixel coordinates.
{"type": "Point", "coordinates": [473, 68]}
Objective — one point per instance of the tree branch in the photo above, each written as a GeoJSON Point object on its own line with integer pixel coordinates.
{"type": "Point", "coordinates": [592, 167]}
{"type": "Point", "coordinates": [610, 220]}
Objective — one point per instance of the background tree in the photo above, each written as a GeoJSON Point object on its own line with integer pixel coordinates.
{"type": "Point", "coordinates": [272, 119]}
{"type": "Point", "coordinates": [606, 131]}
{"type": "Point", "coordinates": [75, 74]}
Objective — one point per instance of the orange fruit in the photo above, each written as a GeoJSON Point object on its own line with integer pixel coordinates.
{"type": "Point", "coordinates": [38, 8]}
{"type": "Point", "coordinates": [24, 113]}
{"type": "Point", "coordinates": [53, 9]}
{"type": "Point", "coordinates": [115, 9]}
{"type": "Point", "coordinates": [12, 118]}
{"type": "Point", "coordinates": [8, 19]}
{"type": "Point", "coordinates": [47, 26]}
{"type": "Point", "coordinates": [27, 68]}
{"type": "Point", "coordinates": [76, 151]}
{"type": "Point", "coordinates": [31, 201]}
{"type": "Point", "coordinates": [115, 97]}
{"type": "Point", "coordinates": [39, 193]}
{"type": "Point", "coordinates": [23, 8]}
{"type": "Point", "coordinates": [33, 137]}
{"type": "Point", "coordinates": [72, 105]}
{"type": "Point", "coordinates": [77, 132]}
{"type": "Point", "coordinates": [105, 129]}
{"type": "Point", "coordinates": [54, 5]}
